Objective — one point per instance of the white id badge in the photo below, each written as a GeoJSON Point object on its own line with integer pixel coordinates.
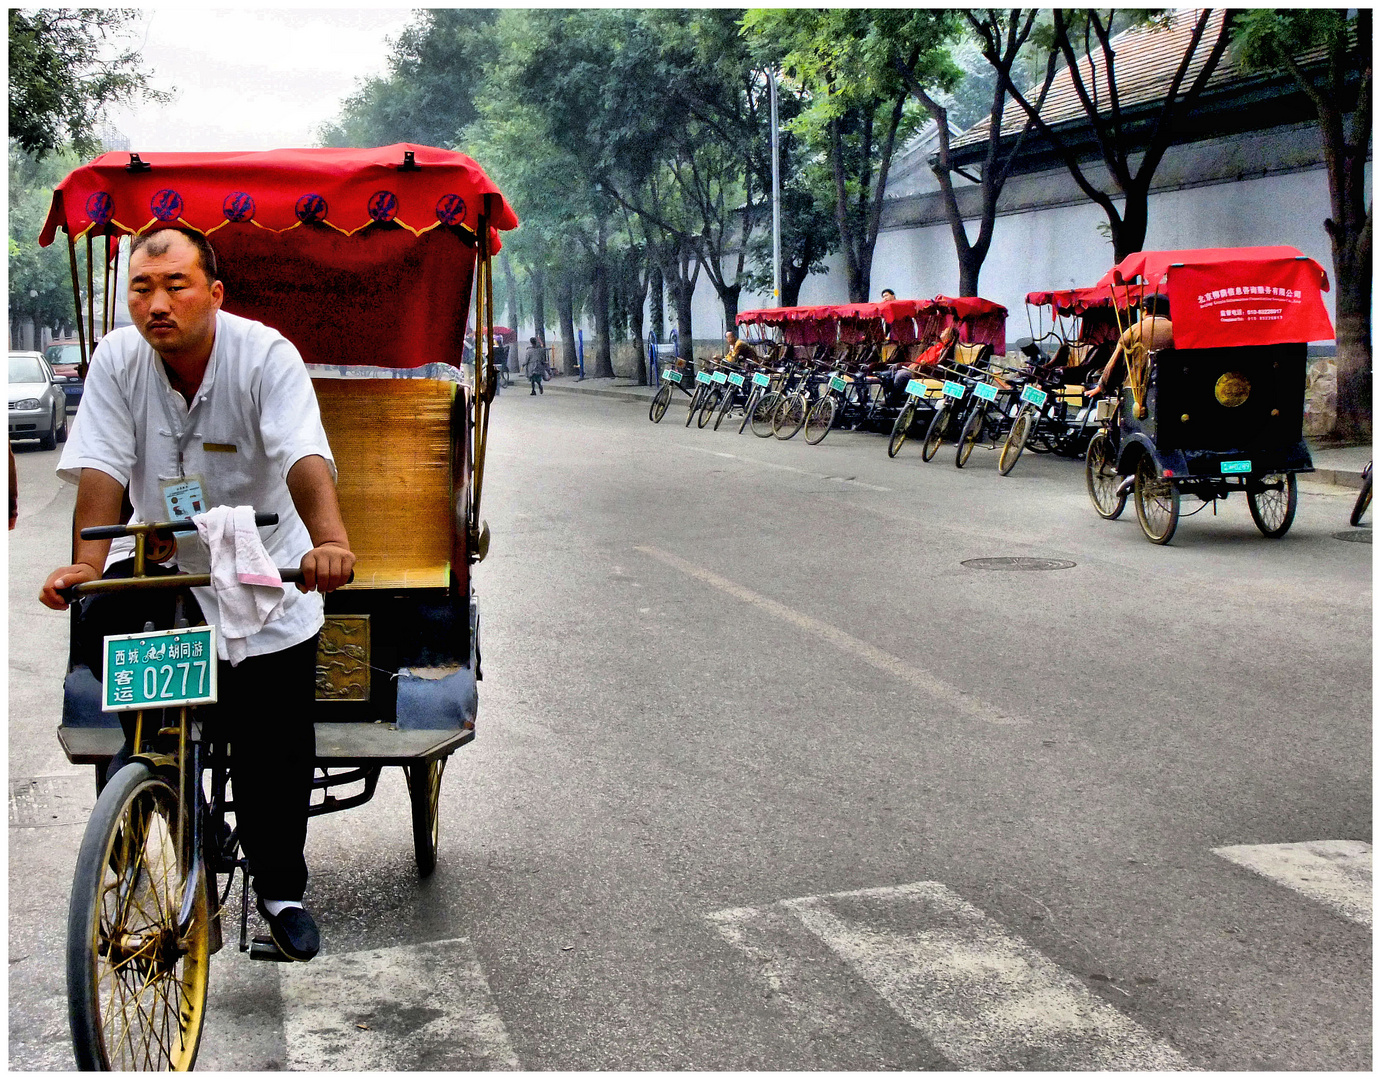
{"type": "Point", "coordinates": [184, 497]}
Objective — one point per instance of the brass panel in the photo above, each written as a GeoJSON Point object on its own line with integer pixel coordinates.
{"type": "Point", "coordinates": [342, 659]}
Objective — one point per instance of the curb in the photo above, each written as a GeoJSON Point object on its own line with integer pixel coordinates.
{"type": "Point", "coordinates": [1337, 477]}
{"type": "Point", "coordinates": [617, 395]}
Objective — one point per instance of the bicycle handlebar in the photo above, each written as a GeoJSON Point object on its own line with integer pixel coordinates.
{"type": "Point", "coordinates": [114, 532]}
{"type": "Point", "coordinates": [291, 575]}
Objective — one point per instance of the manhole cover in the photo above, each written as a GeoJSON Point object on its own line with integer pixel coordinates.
{"type": "Point", "coordinates": [51, 800]}
{"type": "Point", "coordinates": [1010, 563]}
{"type": "Point", "coordinates": [1357, 536]}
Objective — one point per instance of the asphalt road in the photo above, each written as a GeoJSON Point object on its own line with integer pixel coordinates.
{"type": "Point", "coordinates": [767, 778]}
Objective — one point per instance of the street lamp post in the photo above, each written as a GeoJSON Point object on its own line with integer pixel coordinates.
{"type": "Point", "coordinates": [776, 200]}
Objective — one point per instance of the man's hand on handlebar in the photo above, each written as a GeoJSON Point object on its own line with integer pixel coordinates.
{"type": "Point", "coordinates": [64, 578]}
{"type": "Point", "coordinates": [326, 568]}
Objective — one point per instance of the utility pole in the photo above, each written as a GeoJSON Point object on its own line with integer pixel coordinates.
{"type": "Point", "coordinates": [776, 200]}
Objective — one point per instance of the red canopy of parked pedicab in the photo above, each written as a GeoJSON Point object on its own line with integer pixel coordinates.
{"type": "Point", "coordinates": [1222, 297]}
{"type": "Point", "coordinates": [341, 250]}
{"type": "Point", "coordinates": [978, 321]}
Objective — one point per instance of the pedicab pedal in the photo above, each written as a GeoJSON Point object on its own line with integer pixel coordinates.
{"type": "Point", "coordinates": [264, 949]}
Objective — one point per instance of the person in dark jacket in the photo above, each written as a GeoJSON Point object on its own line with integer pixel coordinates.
{"type": "Point", "coordinates": [535, 364]}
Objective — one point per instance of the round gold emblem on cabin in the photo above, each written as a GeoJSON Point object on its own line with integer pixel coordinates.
{"type": "Point", "coordinates": [1231, 389]}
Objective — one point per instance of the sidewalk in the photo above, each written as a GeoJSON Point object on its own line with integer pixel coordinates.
{"type": "Point", "coordinates": [1341, 466]}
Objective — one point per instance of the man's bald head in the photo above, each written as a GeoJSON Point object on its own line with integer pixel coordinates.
{"type": "Point", "coordinates": [160, 241]}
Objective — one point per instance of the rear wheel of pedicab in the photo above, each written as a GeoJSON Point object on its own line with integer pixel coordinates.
{"type": "Point", "coordinates": [935, 434]}
{"type": "Point", "coordinates": [660, 400]}
{"type": "Point", "coordinates": [1100, 474]}
{"type": "Point", "coordinates": [790, 415]}
{"type": "Point", "coordinates": [764, 413]}
{"type": "Point", "coordinates": [696, 400]}
{"type": "Point", "coordinates": [708, 406]}
{"type": "Point", "coordinates": [726, 403]}
{"type": "Point", "coordinates": [901, 429]}
{"type": "Point", "coordinates": [1016, 441]}
{"type": "Point", "coordinates": [1272, 504]}
{"type": "Point", "coordinates": [1157, 501]}
{"type": "Point", "coordinates": [136, 989]}
{"type": "Point", "coordinates": [972, 427]}
{"type": "Point", "coordinates": [424, 793]}
{"type": "Point", "coordinates": [820, 418]}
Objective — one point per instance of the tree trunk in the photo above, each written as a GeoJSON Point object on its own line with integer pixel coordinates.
{"type": "Point", "coordinates": [635, 319]}
{"type": "Point", "coordinates": [539, 302]}
{"type": "Point", "coordinates": [510, 286]}
{"type": "Point", "coordinates": [793, 277]}
{"type": "Point", "coordinates": [729, 296]}
{"type": "Point", "coordinates": [1352, 269]}
{"type": "Point", "coordinates": [604, 368]}
{"type": "Point", "coordinates": [1129, 235]}
{"type": "Point", "coordinates": [656, 311]}
{"type": "Point", "coordinates": [565, 305]}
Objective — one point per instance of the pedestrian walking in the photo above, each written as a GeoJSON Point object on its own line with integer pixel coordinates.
{"type": "Point", "coordinates": [535, 365]}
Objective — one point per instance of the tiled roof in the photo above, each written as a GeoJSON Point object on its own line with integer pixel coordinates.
{"type": "Point", "coordinates": [1145, 60]}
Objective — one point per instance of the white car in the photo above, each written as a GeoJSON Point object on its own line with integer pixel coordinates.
{"type": "Point", "coordinates": [38, 403]}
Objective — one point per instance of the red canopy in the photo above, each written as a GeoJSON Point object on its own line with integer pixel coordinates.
{"type": "Point", "coordinates": [978, 320]}
{"type": "Point", "coordinates": [342, 251]}
{"type": "Point", "coordinates": [1222, 297]}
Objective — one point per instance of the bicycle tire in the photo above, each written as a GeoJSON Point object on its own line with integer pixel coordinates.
{"type": "Point", "coordinates": [968, 436]}
{"type": "Point", "coordinates": [660, 400]}
{"type": "Point", "coordinates": [424, 794]}
{"type": "Point", "coordinates": [900, 429]}
{"type": "Point", "coordinates": [136, 991]}
{"type": "Point", "coordinates": [935, 434]}
{"type": "Point", "coordinates": [708, 406]}
{"type": "Point", "coordinates": [790, 416]}
{"type": "Point", "coordinates": [1016, 441]}
{"type": "Point", "coordinates": [696, 400]}
{"type": "Point", "coordinates": [726, 403]}
{"type": "Point", "coordinates": [820, 418]}
{"type": "Point", "coordinates": [1157, 502]}
{"type": "Point", "coordinates": [748, 407]}
{"type": "Point", "coordinates": [1273, 509]}
{"type": "Point", "coordinates": [764, 413]}
{"type": "Point", "coordinates": [1100, 476]}
{"type": "Point", "coordinates": [1363, 497]}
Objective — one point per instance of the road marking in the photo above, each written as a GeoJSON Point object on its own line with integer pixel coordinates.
{"type": "Point", "coordinates": [789, 468]}
{"type": "Point", "coordinates": [1333, 872]}
{"type": "Point", "coordinates": [983, 999]}
{"type": "Point", "coordinates": [413, 1007]}
{"type": "Point", "coordinates": [922, 680]}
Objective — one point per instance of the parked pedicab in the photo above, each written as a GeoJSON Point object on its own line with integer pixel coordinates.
{"type": "Point", "coordinates": [1221, 409]}
{"type": "Point", "coordinates": [366, 260]}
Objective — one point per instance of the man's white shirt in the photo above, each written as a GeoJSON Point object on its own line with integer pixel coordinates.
{"type": "Point", "coordinates": [253, 418]}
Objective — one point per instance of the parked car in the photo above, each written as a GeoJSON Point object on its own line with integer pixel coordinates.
{"type": "Point", "coordinates": [64, 357]}
{"type": "Point", "coordinates": [38, 405]}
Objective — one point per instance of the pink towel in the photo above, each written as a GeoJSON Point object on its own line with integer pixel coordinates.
{"type": "Point", "coordinates": [248, 588]}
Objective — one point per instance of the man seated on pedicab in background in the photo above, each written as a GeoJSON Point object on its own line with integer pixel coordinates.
{"type": "Point", "coordinates": [193, 405]}
{"type": "Point", "coordinates": [736, 349]}
{"type": "Point", "coordinates": [1152, 331]}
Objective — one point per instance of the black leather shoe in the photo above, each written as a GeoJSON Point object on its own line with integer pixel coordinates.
{"type": "Point", "coordinates": [293, 931]}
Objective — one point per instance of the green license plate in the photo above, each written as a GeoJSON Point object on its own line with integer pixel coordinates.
{"type": "Point", "coordinates": [916, 388]}
{"type": "Point", "coordinates": [836, 383]}
{"type": "Point", "coordinates": [701, 377]}
{"type": "Point", "coordinates": [720, 377]}
{"type": "Point", "coordinates": [1230, 467]}
{"type": "Point", "coordinates": [1034, 396]}
{"type": "Point", "coordinates": [159, 669]}
{"type": "Point", "coordinates": [672, 376]}
{"type": "Point", "coordinates": [760, 379]}
{"type": "Point", "coordinates": [737, 380]}
{"type": "Point", "coordinates": [987, 391]}
{"type": "Point", "coordinates": [954, 389]}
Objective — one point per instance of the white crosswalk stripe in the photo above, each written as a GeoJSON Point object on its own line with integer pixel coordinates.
{"type": "Point", "coordinates": [1333, 872]}
{"type": "Point", "coordinates": [983, 999]}
{"type": "Point", "coordinates": [414, 1007]}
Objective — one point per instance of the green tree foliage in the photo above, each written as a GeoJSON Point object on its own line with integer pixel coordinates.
{"type": "Point", "coordinates": [64, 72]}
{"type": "Point", "coordinates": [1328, 54]}
{"type": "Point", "coordinates": [40, 278]}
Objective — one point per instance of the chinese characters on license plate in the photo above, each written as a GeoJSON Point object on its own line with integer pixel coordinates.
{"type": "Point", "coordinates": [701, 377]}
{"type": "Point", "coordinates": [836, 383]}
{"type": "Point", "coordinates": [159, 669]}
{"type": "Point", "coordinates": [1034, 396]}
{"type": "Point", "coordinates": [987, 391]}
{"type": "Point", "coordinates": [916, 388]}
{"type": "Point", "coordinates": [761, 379]}
{"type": "Point", "coordinates": [1230, 467]}
{"type": "Point", "coordinates": [737, 380]}
{"type": "Point", "coordinates": [720, 377]}
{"type": "Point", "coordinates": [672, 376]}
{"type": "Point", "coordinates": [954, 389]}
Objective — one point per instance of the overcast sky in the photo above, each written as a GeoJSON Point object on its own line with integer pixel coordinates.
{"type": "Point", "coordinates": [252, 79]}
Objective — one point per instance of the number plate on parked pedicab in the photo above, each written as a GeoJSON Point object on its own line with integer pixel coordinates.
{"type": "Point", "coordinates": [701, 377]}
{"type": "Point", "coordinates": [1231, 467]}
{"type": "Point", "coordinates": [1033, 396]}
{"type": "Point", "coordinates": [954, 389]}
{"type": "Point", "coordinates": [916, 388]}
{"type": "Point", "coordinates": [672, 376]}
{"type": "Point", "coordinates": [987, 391]}
{"type": "Point", "coordinates": [760, 379]}
{"type": "Point", "coordinates": [159, 669]}
{"type": "Point", "coordinates": [836, 383]}
{"type": "Point", "coordinates": [737, 380]}
{"type": "Point", "coordinates": [720, 377]}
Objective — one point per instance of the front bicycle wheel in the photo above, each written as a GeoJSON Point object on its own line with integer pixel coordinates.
{"type": "Point", "coordinates": [660, 400]}
{"type": "Point", "coordinates": [1363, 497]}
{"type": "Point", "coordinates": [901, 429]}
{"type": "Point", "coordinates": [1016, 441]}
{"type": "Point", "coordinates": [1273, 506]}
{"type": "Point", "coordinates": [764, 412]}
{"type": "Point", "coordinates": [1100, 474]}
{"type": "Point", "coordinates": [708, 406]}
{"type": "Point", "coordinates": [935, 434]}
{"type": "Point", "coordinates": [790, 415]}
{"type": "Point", "coordinates": [1157, 502]}
{"type": "Point", "coordinates": [726, 403]}
{"type": "Point", "coordinates": [424, 794]}
{"type": "Point", "coordinates": [696, 399]}
{"type": "Point", "coordinates": [136, 986]}
{"type": "Point", "coordinates": [972, 427]}
{"type": "Point", "coordinates": [819, 419]}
